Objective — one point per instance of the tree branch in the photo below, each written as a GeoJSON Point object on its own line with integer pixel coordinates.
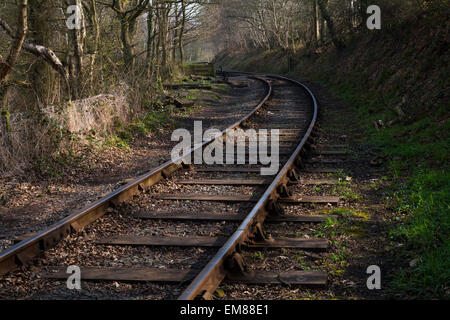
{"type": "Point", "coordinates": [40, 51]}
{"type": "Point", "coordinates": [19, 39]}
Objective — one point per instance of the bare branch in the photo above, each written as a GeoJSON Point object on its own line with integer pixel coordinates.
{"type": "Point", "coordinates": [19, 38]}
{"type": "Point", "coordinates": [45, 53]}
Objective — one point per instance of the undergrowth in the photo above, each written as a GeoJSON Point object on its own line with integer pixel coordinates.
{"type": "Point", "coordinates": [416, 156]}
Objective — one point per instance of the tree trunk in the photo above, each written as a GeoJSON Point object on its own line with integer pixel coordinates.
{"type": "Point", "coordinates": [128, 23]}
{"type": "Point", "coordinates": [40, 51]}
{"type": "Point", "coordinates": [76, 52]}
{"type": "Point", "coordinates": [150, 40]}
{"type": "Point", "coordinates": [157, 51]}
{"type": "Point", "coordinates": [314, 23]}
{"type": "Point", "coordinates": [175, 34]}
{"type": "Point", "coordinates": [125, 36]}
{"type": "Point", "coordinates": [323, 10]}
{"type": "Point", "coordinates": [317, 21]}
{"type": "Point", "coordinates": [94, 21]}
{"type": "Point", "coordinates": [165, 34]}
{"type": "Point", "coordinates": [22, 29]}
{"type": "Point", "coordinates": [150, 32]}
{"type": "Point", "coordinates": [183, 24]}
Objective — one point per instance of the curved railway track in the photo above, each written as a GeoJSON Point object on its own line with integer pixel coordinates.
{"type": "Point", "coordinates": [163, 211]}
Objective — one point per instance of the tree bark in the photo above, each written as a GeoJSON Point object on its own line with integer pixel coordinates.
{"type": "Point", "coordinates": [183, 24]}
{"type": "Point", "coordinates": [150, 32]}
{"type": "Point", "coordinates": [40, 51]}
{"type": "Point", "coordinates": [19, 38]}
{"type": "Point", "coordinates": [94, 20]}
{"type": "Point", "coordinates": [76, 52]}
{"type": "Point", "coordinates": [175, 34]}
{"type": "Point", "coordinates": [316, 22]}
{"type": "Point", "coordinates": [128, 21]}
{"type": "Point", "coordinates": [165, 34]}
{"type": "Point", "coordinates": [324, 11]}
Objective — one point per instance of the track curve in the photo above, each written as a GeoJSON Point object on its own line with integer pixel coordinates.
{"type": "Point", "coordinates": [298, 124]}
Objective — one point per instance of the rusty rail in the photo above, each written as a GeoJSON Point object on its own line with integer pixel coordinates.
{"type": "Point", "coordinates": [22, 252]}
{"type": "Point", "coordinates": [216, 270]}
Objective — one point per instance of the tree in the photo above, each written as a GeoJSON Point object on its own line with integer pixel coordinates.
{"type": "Point", "coordinates": [18, 40]}
{"type": "Point", "coordinates": [128, 12]}
{"type": "Point", "coordinates": [38, 50]}
{"type": "Point", "coordinates": [330, 24]}
{"type": "Point", "coordinates": [75, 50]}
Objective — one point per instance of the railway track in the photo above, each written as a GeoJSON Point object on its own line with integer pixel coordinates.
{"type": "Point", "coordinates": [188, 227]}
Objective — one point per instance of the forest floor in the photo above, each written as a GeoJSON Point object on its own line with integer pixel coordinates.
{"type": "Point", "coordinates": [32, 201]}
{"type": "Point", "coordinates": [360, 234]}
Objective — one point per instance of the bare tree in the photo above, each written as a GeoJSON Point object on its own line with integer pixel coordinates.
{"type": "Point", "coordinates": [128, 12]}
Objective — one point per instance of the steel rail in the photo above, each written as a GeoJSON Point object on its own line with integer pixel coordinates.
{"type": "Point", "coordinates": [206, 282]}
{"type": "Point", "coordinates": [22, 252]}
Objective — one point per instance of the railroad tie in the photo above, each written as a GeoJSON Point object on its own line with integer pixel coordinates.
{"type": "Point", "coordinates": [258, 170]}
{"type": "Point", "coordinates": [229, 169]}
{"type": "Point", "coordinates": [314, 278]}
{"type": "Point", "coordinates": [332, 146]}
{"type": "Point", "coordinates": [206, 216]}
{"type": "Point", "coordinates": [245, 198]}
{"type": "Point", "coordinates": [322, 170]}
{"type": "Point", "coordinates": [319, 153]}
{"type": "Point", "coordinates": [203, 241]}
{"type": "Point", "coordinates": [324, 161]}
{"type": "Point", "coordinates": [249, 181]}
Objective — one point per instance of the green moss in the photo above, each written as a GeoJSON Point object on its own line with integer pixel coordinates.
{"type": "Point", "coordinates": [349, 212]}
{"type": "Point", "coordinates": [5, 118]}
{"type": "Point", "coordinates": [417, 150]}
{"type": "Point", "coordinates": [116, 142]}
